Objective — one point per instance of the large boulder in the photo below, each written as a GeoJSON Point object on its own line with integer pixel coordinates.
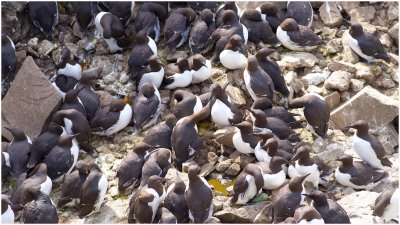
{"type": "Point", "coordinates": [330, 14]}
{"type": "Point", "coordinates": [239, 214]}
{"type": "Point", "coordinates": [30, 101]}
{"type": "Point", "coordinates": [368, 104]}
{"type": "Point", "coordinates": [358, 206]}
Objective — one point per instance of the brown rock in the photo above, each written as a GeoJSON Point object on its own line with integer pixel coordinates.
{"type": "Point", "coordinates": [243, 159]}
{"type": "Point", "coordinates": [239, 214]}
{"type": "Point", "coordinates": [348, 6]}
{"type": "Point", "coordinates": [223, 166]}
{"type": "Point", "coordinates": [235, 77]}
{"type": "Point", "coordinates": [338, 80]}
{"type": "Point", "coordinates": [330, 14]}
{"type": "Point", "coordinates": [29, 102]}
{"type": "Point", "coordinates": [362, 14]}
{"type": "Point", "coordinates": [105, 98]}
{"type": "Point", "coordinates": [206, 169]}
{"type": "Point", "coordinates": [368, 104]}
{"type": "Point", "coordinates": [233, 170]}
{"type": "Point", "coordinates": [335, 66]}
{"type": "Point", "coordinates": [333, 99]}
{"type": "Point", "coordinates": [394, 32]}
{"type": "Point", "coordinates": [224, 136]}
{"type": "Point", "coordinates": [237, 96]}
{"type": "Point", "coordinates": [356, 85]}
{"type": "Point", "coordinates": [348, 54]}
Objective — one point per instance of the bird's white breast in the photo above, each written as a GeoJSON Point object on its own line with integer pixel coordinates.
{"type": "Point", "coordinates": [232, 59]}
{"type": "Point", "coordinates": [221, 113]}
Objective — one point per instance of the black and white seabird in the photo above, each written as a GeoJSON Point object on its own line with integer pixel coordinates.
{"type": "Point", "coordinates": [148, 200]}
{"type": "Point", "coordinates": [234, 55]}
{"type": "Point", "coordinates": [223, 111]}
{"type": "Point", "coordinates": [200, 67]}
{"type": "Point", "coordinates": [307, 215]}
{"type": "Point", "coordinates": [144, 48]}
{"type": "Point", "coordinates": [248, 184]}
{"type": "Point", "coordinates": [148, 18]}
{"type": "Point", "coordinates": [90, 99]}
{"type": "Point", "coordinates": [71, 186]}
{"type": "Point", "coordinates": [41, 209]}
{"type": "Point", "coordinates": [113, 31]}
{"type": "Point", "coordinates": [288, 199]}
{"type": "Point", "coordinates": [329, 209]}
{"type": "Point", "coordinates": [304, 164]}
{"type": "Point", "coordinates": [302, 12]}
{"type": "Point", "coordinates": [175, 200]}
{"type": "Point", "coordinates": [178, 77]}
{"type": "Point", "coordinates": [273, 174]}
{"type": "Point", "coordinates": [177, 27]}
{"type": "Point", "coordinates": [158, 162]}
{"type": "Point", "coordinates": [153, 73]}
{"type": "Point", "coordinates": [7, 214]}
{"type": "Point", "coordinates": [185, 140]}
{"type": "Point", "coordinates": [67, 66]}
{"type": "Point", "coordinates": [260, 32]}
{"type": "Point", "coordinates": [75, 124]}
{"type": "Point", "coordinates": [365, 44]}
{"type": "Point", "coordinates": [19, 151]}
{"type": "Point", "coordinates": [202, 29]}
{"type": "Point", "coordinates": [8, 57]}
{"type": "Point", "coordinates": [62, 84]}
{"type": "Point", "coordinates": [268, 147]}
{"type": "Point", "coordinates": [160, 134]}
{"type": "Point", "coordinates": [224, 7]}
{"type": "Point", "coordinates": [269, 13]}
{"type": "Point", "coordinates": [297, 37]}
{"type": "Point", "coordinates": [44, 16]}
{"type": "Point", "coordinates": [220, 37]}
{"type": "Point", "coordinates": [277, 126]}
{"type": "Point", "coordinates": [316, 112]}
{"type": "Point", "coordinates": [85, 13]}
{"type": "Point", "coordinates": [146, 107]}
{"type": "Point", "coordinates": [356, 174]}
{"type": "Point", "coordinates": [245, 140]}
{"type": "Point", "coordinates": [198, 197]}
{"type": "Point", "coordinates": [62, 158]}
{"type": "Point", "coordinates": [272, 69]}
{"type": "Point", "coordinates": [113, 118]}
{"type": "Point", "coordinates": [130, 169]}
{"type": "Point", "coordinates": [186, 104]}
{"type": "Point", "coordinates": [265, 104]}
{"type": "Point", "coordinates": [258, 82]}
{"type": "Point", "coordinates": [122, 10]}
{"type": "Point", "coordinates": [368, 147]}
{"type": "Point", "coordinates": [93, 191]}
{"type": "Point", "coordinates": [386, 206]}
{"type": "Point", "coordinates": [72, 101]}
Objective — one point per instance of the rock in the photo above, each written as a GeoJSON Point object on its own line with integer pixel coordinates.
{"type": "Point", "coordinates": [104, 63]}
{"type": "Point", "coordinates": [348, 54]}
{"type": "Point", "coordinates": [314, 89]}
{"type": "Point", "coordinates": [292, 60]}
{"type": "Point", "coordinates": [105, 98]}
{"type": "Point", "coordinates": [389, 138]}
{"type": "Point", "coordinates": [330, 14]}
{"type": "Point", "coordinates": [333, 100]}
{"type": "Point", "coordinates": [216, 73]}
{"type": "Point", "coordinates": [213, 220]}
{"type": "Point", "coordinates": [171, 176]}
{"type": "Point", "coordinates": [173, 56]}
{"type": "Point", "coordinates": [124, 78]}
{"type": "Point", "coordinates": [315, 78]}
{"type": "Point", "coordinates": [368, 104]}
{"type": "Point", "coordinates": [109, 79]}
{"type": "Point", "coordinates": [265, 215]}
{"type": "Point", "coordinates": [348, 191]}
{"type": "Point", "coordinates": [237, 96]}
{"type": "Point", "coordinates": [45, 47]}
{"type": "Point", "coordinates": [242, 159]}
{"type": "Point", "coordinates": [34, 43]}
{"type": "Point", "coordinates": [233, 170]}
{"type": "Point", "coordinates": [206, 169]}
{"type": "Point", "coordinates": [30, 101]}
{"type": "Point", "coordinates": [212, 157]}
{"type": "Point", "coordinates": [367, 72]}
{"type": "Point", "coordinates": [393, 12]}
{"type": "Point", "coordinates": [334, 46]}
{"type": "Point", "coordinates": [348, 6]}
{"type": "Point", "coordinates": [394, 32]}
{"type": "Point", "coordinates": [385, 39]}
{"type": "Point", "coordinates": [330, 153]}
{"type": "Point", "coordinates": [388, 83]}
{"type": "Point", "coordinates": [296, 84]}
{"type": "Point", "coordinates": [362, 14]}
{"type": "Point", "coordinates": [358, 206]}
{"type": "Point", "coordinates": [224, 136]}
{"type": "Point", "coordinates": [356, 85]}
{"type": "Point", "coordinates": [338, 80]}
{"type": "Point", "coordinates": [21, 56]}
{"type": "Point", "coordinates": [224, 165]}
{"type": "Point", "coordinates": [239, 214]}
{"type": "Point", "coordinates": [335, 66]}
{"type": "Point", "coordinates": [75, 49]}
{"type": "Point", "coordinates": [235, 77]}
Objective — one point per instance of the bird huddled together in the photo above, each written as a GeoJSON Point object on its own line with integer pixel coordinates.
{"type": "Point", "coordinates": [217, 34]}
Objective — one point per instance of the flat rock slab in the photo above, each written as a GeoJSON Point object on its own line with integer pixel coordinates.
{"type": "Point", "coordinates": [369, 105]}
{"type": "Point", "coordinates": [29, 102]}
{"type": "Point", "coordinates": [239, 214]}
